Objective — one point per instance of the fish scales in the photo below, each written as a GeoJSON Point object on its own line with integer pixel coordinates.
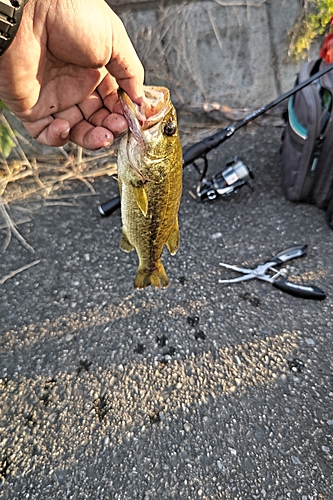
{"type": "Point", "coordinates": [150, 182]}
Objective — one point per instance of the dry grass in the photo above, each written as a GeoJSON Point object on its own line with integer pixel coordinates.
{"type": "Point", "coordinates": [41, 176]}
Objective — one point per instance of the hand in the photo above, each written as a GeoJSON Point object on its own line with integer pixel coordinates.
{"type": "Point", "coordinates": [61, 73]}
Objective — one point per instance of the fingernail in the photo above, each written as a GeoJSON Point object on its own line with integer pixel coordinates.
{"type": "Point", "coordinates": [65, 134]}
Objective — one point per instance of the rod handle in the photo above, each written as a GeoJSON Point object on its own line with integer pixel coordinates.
{"type": "Point", "coordinates": [107, 208]}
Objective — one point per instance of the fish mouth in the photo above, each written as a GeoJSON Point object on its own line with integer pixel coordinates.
{"type": "Point", "coordinates": [155, 106]}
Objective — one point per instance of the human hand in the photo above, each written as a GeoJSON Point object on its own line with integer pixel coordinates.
{"type": "Point", "coordinates": [61, 73]}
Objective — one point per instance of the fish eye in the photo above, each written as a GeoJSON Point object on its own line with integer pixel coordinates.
{"type": "Point", "coordinates": [170, 128]}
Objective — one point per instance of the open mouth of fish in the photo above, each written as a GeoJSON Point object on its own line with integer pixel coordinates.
{"type": "Point", "coordinates": [142, 119]}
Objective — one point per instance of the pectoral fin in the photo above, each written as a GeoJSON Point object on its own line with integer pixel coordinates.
{"type": "Point", "coordinates": [172, 243]}
{"type": "Point", "coordinates": [141, 199]}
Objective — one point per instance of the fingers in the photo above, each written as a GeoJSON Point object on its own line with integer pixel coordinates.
{"type": "Point", "coordinates": [84, 134]}
{"type": "Point", "coordinates": [89, 125]}
{"type": "Point", "coordinates": [49, 132]}
{"type": "Point", "coordinates": [107, 90]}
{"type": "Point", "coordinates": [90, 137]}
{"type": "Point", "coordinates": [100, 131]}
{"type": "Point", "coordinates": [94, 112]}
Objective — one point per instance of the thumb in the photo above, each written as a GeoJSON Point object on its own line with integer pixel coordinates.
{"type": "Point", "coordinates": [125, 65]}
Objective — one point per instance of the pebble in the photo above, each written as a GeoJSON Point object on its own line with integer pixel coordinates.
{"type": "Point", "coordinates": [53, 417]}
{"type": "Point", "coordinates": [216, 236]}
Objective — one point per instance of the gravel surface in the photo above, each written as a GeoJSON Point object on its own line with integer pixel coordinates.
{"type": "Point", "coordinates": [200, 391]}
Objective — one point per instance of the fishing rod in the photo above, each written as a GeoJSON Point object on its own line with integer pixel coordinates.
{"type": "Point", "coordinates": [202, 148]}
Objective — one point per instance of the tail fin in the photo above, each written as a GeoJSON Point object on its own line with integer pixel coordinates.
{"type": "Point", "coordinates": [156, 277]}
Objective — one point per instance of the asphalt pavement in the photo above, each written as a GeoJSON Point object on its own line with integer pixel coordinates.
{"type": "Point", "coordinates": [200, 391]}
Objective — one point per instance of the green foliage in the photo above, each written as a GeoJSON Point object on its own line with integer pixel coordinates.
{"type": "Point", "coordinates": [6, 140]}
{"type": "Point", "coordinates": [6, 135]}
{"type": "Point", "coordinates": [314, 21]}
{"type": "Point", "coordinates": [3, 105]}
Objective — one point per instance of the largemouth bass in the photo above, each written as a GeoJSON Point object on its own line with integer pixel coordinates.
{"type": "Point", "coordinates": [150, 183]}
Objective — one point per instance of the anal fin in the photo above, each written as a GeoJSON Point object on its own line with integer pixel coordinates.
{"type": "Point", "coordinates": [125, 244]}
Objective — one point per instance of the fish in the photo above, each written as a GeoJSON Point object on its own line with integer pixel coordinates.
{"type": "Point", "coordinates": [150, 164]}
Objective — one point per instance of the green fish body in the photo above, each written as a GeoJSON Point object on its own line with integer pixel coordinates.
{"type": "Point", "coordinates": [150, 181]}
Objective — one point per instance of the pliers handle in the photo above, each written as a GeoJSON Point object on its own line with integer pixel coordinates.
{"type": "Point", "coordinates": [303, 291]}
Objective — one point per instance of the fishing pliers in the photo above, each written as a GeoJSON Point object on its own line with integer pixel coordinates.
{"type": "Point", "coordinates": [278, 281]}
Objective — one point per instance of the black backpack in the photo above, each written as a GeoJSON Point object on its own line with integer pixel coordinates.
{"type": "Point", "coordinates": [307, 142]}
